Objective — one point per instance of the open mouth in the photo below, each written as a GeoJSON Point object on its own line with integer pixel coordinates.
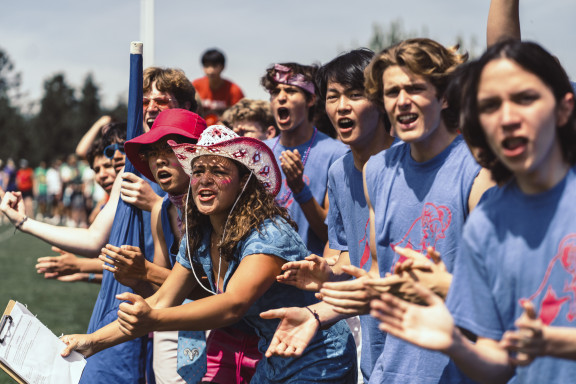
{"type": "Point", "coordinates": [283, 113]}
{"type": "Point", "coordinates": [407, 118]}
{"type": "Point", "coordinates": [514, 143]}
{"type": "Point", "coordinates": [163, 175]}
{"type": "Point", "coordinates": [345, 123]}
{"type": "Point", "coordinates": [149, 122]}
{"type": "Point", "coordinates": [206, 194]}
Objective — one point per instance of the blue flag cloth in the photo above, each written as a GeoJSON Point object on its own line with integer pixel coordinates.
{"type": "Point", "coordinates": [126, 362]}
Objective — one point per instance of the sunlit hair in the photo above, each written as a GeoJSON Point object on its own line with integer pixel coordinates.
{"type": "Point", "coordinates": [309, 73]}
{"type": "Point", "coordinates": [423, 57]}
{"type": "Point", "coordinates": [252, 209]}
{"type": "Point", "coordinates": [250, 110]}
{"type": "Point", "coordinates": [174, 81]}
{"type": "Point", "coordinates": [534, 59]}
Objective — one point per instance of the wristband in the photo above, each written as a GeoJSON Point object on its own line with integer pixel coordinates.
{"type": "Point", "coordinates": [91, 276]}
{"type": "Point", "coordinates": [315, 316]}
{"type": "Point", "coordinates": [19, 224]}
{"type": "Point", "coordinates": [304, 195]}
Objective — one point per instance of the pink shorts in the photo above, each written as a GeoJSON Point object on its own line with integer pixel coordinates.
{"type": "Point", "coordinates": [232, 356]}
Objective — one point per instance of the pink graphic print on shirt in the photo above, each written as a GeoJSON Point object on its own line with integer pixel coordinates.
{"type": "Point", "coordinates": [559, 291]}
{"type": "Point", "coordinates": [426, 230]}
{"type": "Point", "coordinates": [366, 254]}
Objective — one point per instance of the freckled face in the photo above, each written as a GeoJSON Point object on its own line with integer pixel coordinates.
{"type": "Point", "coordinates": [215, 184]}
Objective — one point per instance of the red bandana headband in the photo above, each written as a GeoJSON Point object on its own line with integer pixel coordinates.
{"type": "Point", "coordinates": [284, 75]}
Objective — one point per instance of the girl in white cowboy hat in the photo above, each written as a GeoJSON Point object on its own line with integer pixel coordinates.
{"type": "Point", "coordinates": [241, 238]}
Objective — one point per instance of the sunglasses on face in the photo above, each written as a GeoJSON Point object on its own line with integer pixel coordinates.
{"type": "Point", "coordinates": [155, 152]}
{"type": "Point", "coordinates": [161, 102]}
{"type": "Point", "coordinates": [110, 150]}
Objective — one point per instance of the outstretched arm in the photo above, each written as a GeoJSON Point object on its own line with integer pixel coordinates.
{"type": "Point", "coordinates": [54, 267]}
{"type": "Point", "coordinates": [297, 327]}
{"type": "Point", "coordinates": [177, 286]}
{"type": "Point", "coordinates": [503, 21]}
{"type": "Point", "coordinates": [416, 267]}
{"type": "Point", "coordinates": [82, 241]}
{"type": "Point", "coordinates": [350, 297]}
{"type": "Point", "coordinates": [431, 326]}
{"type": "Point", "coordinates": [309, 274]}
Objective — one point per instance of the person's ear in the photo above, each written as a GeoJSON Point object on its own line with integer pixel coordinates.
{"type": "Point", "coordinates": [311, 102]}
{"type": "Point", "coordinates": [565, 109]}
{"type": "Point", "coordinates": [270, 132]}
{"type": "Point", "coordinates": [244, 179]}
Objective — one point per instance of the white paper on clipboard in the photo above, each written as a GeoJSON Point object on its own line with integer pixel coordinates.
{"type": "Point", "coordinates": [32, 352]}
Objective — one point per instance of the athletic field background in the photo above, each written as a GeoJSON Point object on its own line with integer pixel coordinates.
{"type": "Point", "coordinates": [62, 307]}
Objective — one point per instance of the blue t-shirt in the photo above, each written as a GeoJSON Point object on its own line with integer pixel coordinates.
{"type": "Point", "coordinates": [330, 356]}
{"type": "Point", "coordinates": [348, 230]}
{"type": "Point", "coordinates": [519, 247]}
{"type": "Point", "coordinates": [417, 205]}
{"type": "Point", "coordinates": [323, 152]}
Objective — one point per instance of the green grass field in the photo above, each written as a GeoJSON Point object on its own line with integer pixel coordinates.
{"type": "Point", "coordinates": [62, 307]}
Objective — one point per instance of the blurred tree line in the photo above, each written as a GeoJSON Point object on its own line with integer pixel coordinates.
{"type": "Point", "coordinates": [383, 37]}
{"type": "Point", "coordinates": [63, 116]}
{"type": "Point", "coordinates": [65, 113]}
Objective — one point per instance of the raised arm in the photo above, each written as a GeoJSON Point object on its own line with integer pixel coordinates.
{"type": "Point", "coordinates": [503, 21]}
{"type": "Point", "coordinates": [86, 141]}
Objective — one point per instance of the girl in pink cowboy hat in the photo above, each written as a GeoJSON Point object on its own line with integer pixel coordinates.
{"type": "Point", "coordinates": [240, 238]}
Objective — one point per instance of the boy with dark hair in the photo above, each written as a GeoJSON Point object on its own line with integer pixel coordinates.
{"type": "Point", "coordinates": [362, 126]}
{"type": "Point", "coordinates": [304, 153]}
{"type": "Point", "coordinates": [216, 93]}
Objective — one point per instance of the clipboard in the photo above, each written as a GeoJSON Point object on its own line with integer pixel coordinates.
{"type": "Point", "coordinates": [6, 321]}
{"type": "Point", "coordinates": [30, 352]}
